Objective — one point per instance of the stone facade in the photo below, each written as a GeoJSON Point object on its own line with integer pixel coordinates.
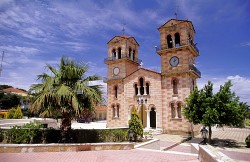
{"type": "Point", "coordinates": [158, 96]}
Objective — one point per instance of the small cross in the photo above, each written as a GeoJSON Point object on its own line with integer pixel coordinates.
{"type": "Point", "coordinates": [123, 26]}
{"type": "Point", "coordinates": [141, 64]}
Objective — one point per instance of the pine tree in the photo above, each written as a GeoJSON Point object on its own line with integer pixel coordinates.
{"type": "Point", "coordinates": [135, 124]}
{"type": "Point", "coordinates": [18, 113]}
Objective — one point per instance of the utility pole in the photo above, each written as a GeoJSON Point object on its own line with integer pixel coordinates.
{"type": "Point", "coordinates": [1, 65]}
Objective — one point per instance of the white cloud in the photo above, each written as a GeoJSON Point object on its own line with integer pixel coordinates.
{"type": "Point", "coordinates": [241, 85]}
{"type": "Point", "coordinates": [245, 43]}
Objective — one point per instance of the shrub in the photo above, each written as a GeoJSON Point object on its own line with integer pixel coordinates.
{"type": "Point", "coordinates": [11, 113]}
{"type": "Point", "coordinates": [28, 133]}
{"type": "Point", "coordinates": [248, 141]}
{"type": "Point", "coordinates": [33, 133]}
{"type": "Point", "coordinates": [135, 125]}
{"type": "Point", "coordinates": [247, 122]}
{"type": "Point", "coordinates": [18, 113]}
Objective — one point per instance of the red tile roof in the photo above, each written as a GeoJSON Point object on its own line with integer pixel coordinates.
{"type": "Point", "coordinates": [14, 90]}
{"type": "Point", "coordinates": [101, 108]}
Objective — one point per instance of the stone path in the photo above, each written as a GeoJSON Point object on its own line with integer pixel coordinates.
{"type": "Point", "coordinates": [236, 151]}
{"type": "Point", "coordinates": [135, 155]}
{"type": "Point", "coordinates": [176, 151]}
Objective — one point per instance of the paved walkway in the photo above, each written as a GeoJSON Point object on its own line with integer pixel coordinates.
{"type": "Point", "coordinates": [229, 141]}
{"type": "Point", "coordinates": [176, 151]}
{"type": "Point", "coordinates": [135, 155]}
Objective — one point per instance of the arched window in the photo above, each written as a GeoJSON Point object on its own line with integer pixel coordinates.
{"type": "Point", "coordinates": [172, 110]}
{"type": "Point", "coordinates": [133, 55]}
{"type": "Point", "coordinates": [177, 40]}
{"type": "Point", "coordinates": [147, 88]}
{"type": "Point", "coordinates": [192, 85]}
{"type": "Point", "coordinates": [169, 41]}
{"type": "Point", "coordinates": [179, 110]}
{"type": "Point", "coordinates": [116, 91]}
{"type": "Point", "coordinates": [114, 54]}
{"type": "Point", "coordinates": [119, 53]}
{"type": "Point", "coordinates": [175, 86]}
{"type": "Point", "coordinates": [130, 54]}
{"type": "Point", "coordinates": [136, 89]}
{"type": "Point", "coordinates": [118, 111]}
{"type": "Point", "coordinates": [190, 39]}
{"type": "Point", "coordinates": [113, 111]}
{"type": "Point", "coordinates": [141, 86]}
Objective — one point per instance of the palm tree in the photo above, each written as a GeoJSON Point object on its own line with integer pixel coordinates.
{"type": "Point", "coordinates": [59, 92]}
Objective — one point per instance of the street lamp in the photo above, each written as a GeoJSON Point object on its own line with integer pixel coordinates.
{"type": "Point", "coordinates": [141, 101]}
{"type": "Point", "coordinates": [204, 132]}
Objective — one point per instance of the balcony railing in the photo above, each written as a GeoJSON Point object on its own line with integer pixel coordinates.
{"type": "Point", "coordinates": [136, 60]}
{"type": "Point", "coordinates": [158, 48]}
{"type": "Point", "coordinates": [193, 68]}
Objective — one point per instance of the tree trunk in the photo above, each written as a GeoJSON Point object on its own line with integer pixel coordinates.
{"type": "Point", "coordinates": [209, 134]}
{"type": "Point", "coordinates": [66, 128]}
{"type": "Point", "coordinates": [192, 130]}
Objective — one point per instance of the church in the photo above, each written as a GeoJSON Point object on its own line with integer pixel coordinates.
{"type": "Point", "coordinates": [159, 97]}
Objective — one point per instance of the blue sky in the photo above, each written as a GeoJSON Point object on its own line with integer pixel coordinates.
{"type": "Point", "coordinates": [33, 33]}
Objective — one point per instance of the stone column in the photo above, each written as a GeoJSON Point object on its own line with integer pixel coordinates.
{"type": "Point", "coordinates": [173, 42]}
{"type": "Point", "coordinates": [116, 55]}
{"type": "Point", "coordinates": [145, 90]}
{"type": "Point", "coordinates": [176, 111]}
{"type": "Point", "coordinates": [139, 90]}
{"type": "Point", "coordinates": [148, 119]}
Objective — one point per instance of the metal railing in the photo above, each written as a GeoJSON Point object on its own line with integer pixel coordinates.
{"type": "Point", "coordinates": [193, 68]}
{"type": "Point", "coordinates": [158, 48]}
{"type": "Point", "coordinates": [136, 60]}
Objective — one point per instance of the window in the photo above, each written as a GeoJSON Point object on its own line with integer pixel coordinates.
{"type": "Point", "coordinates": [172, 110]}
{"type": "Point", "coordinates": [119, 53]}
{"type": "Point", "coordinates": [115, 111]}
{"type": "Point", "coordinates": [141, 86]}
{"type": "Point", "coordinates": [179, 110]}
{"type": "Point", "coordinates": [190, 39]}
{"type": "Point", "coordinates": [175, 86]}
{"type": "Point", "coordinates": [136, 89]}
{"type": "Point", "coordinates": [192, 85]}
{"type": "Point", "coordinates": [116, 91]}
{"type": "Point", "coordinates": [147, 88]}
{"type": "Point", "coordinates": [130, 54]}
{"type": "Point", "coordinates": [114, 54]}
{"type": "Point", "coordinates": [177, 40]}
{"type": "Point", "coordinates": [133, 54]}
{"type": "Point", "coordinates": [169, 41]}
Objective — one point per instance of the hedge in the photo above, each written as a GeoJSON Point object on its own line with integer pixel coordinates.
{"type": "Point", "coordinates": [19, 135]}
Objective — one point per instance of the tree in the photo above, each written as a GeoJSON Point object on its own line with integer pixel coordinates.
{"type": "Point", "coordinates": [135, 124]}
{"type": "Point", "coordinates": [65, 91]}
{"type": "Point", "coordinates": [223, 108]}
{"type": "Point", "coordinates": [11, 113]}
{"type": "Point", "coordinates": [9, 100]}
{"type": "Point", "coordinates": [18, 113]}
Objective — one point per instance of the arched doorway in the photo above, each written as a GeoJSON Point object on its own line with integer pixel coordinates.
{"type": "Point", "coordinates": [153, 118]}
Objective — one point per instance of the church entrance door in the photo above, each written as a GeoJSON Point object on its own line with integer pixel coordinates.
{"type": "Point", "coordinates": [152, 118]}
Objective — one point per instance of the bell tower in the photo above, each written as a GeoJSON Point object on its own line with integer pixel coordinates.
{"type": "Point", "coordinates": [122, 57]}
{"type": "Point", "coordinates": [178, 69]}
{"type": "Point", "coordinates": [122, 61]}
